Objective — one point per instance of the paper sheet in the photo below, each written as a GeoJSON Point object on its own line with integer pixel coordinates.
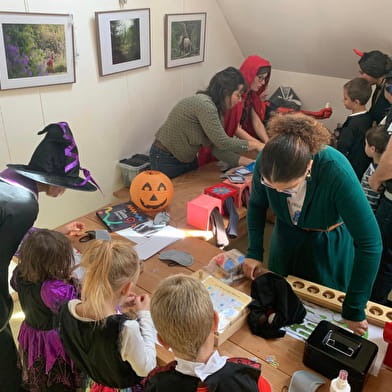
{"type": "Point", "coordinates": [147, 246]}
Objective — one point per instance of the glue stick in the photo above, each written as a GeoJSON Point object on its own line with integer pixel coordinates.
{"type": "Point", "coordinates": [340, 384]}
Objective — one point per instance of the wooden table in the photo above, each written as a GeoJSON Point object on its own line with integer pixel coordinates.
{"type": "Point", "coordinates": [187, 187]}
{"type": "Point", "coordinates": [287, 350]}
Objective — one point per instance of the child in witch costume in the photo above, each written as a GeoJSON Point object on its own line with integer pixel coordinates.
{"type": "Point", "coordinates": [43, 282]}
{"type": "Point", "coordinates": [185, 319]}
{"type": "Point", "coordinates": [53, 167]}
{"type": "Point", "coordinates": [113, 350]}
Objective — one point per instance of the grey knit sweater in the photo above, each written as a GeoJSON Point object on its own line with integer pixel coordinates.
{"type": "Point", "coordinates": [194, 123]}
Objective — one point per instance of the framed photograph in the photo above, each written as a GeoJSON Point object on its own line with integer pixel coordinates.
{"type": "Point", "coordinates": [123, 40]}
{"type": "Point", "coordinates": [35, 50]}
{"type": "Point", "coordinates": [184, 39]}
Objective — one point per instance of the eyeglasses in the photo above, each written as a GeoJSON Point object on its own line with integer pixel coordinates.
{"type": "Point", "coordinates": [388, 88]}
{"type": "Point", "coordinates": [287, 191]}
{"type": "Point", "coordinates": [261, 77]}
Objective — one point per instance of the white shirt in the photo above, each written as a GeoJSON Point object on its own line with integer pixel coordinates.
{"type": "Point", "coordinates": [295, 202]}
{"type": "Point", "coordinates": [199, 369]}
{"type": "Point", "coordinates": [137, 340]}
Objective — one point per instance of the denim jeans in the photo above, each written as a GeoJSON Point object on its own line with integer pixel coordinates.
{"type": "Point", "coordinates": [166, 163]}
{"type": "Point", "coordinates": [383, 283]}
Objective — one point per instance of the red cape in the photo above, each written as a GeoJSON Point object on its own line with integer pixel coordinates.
{"type": "Point", "coordinates": [251, 99]}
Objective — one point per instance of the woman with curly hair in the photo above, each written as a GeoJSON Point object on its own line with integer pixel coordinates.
{"type": "Point", "coordinates": [325, 230]}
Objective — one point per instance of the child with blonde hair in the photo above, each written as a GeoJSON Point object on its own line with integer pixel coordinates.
{"type": "Point", "coordinates": [112, 349]}
{"type": "Point", "coordinates": [42, 280]}
{"type": "Point", "coordinates": [184, 317]}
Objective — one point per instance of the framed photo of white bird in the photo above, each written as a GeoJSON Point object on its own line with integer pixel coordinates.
{"type": "Point", "coordinates": [184, 39]}
{"type": "Point", "coordinates": [123, 40]}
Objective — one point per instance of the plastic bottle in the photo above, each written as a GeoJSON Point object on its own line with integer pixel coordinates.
{"type": "Point", "coordinates": [340, 384]}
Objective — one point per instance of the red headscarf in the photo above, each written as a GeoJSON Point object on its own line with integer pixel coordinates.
{"type": "Point", "coordinates": [232, 117]}
{"type": "Point", "coordinates": [251, 99]}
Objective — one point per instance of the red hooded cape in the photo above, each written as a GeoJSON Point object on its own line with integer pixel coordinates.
{"type": "Point", "coordinates": [251, 99]}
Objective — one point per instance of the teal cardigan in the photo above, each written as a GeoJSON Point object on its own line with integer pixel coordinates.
{"type": "Point", "coordinates": [346, 258]}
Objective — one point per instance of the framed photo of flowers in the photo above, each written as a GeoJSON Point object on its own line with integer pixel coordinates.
{"type": "Point", "coordinates": [35, 50]}
{"type": "Point", "coordinates": [184, 39]}
{"type": "Point", "coordinates": [123, 40]}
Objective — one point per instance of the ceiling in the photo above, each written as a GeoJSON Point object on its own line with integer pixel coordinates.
{"type": "Point", "coordinates": [308, 36]}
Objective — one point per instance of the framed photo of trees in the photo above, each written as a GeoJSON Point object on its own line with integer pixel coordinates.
{"type": "Point", "coordinates": [184, 39]}
{"type": "Point", "coordinates": [35, 50]}
{"type": "Point", "coordinates": [123, 40]}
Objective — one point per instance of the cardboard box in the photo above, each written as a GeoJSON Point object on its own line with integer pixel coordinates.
{"type": "Point", "coordinates": [228, 325]}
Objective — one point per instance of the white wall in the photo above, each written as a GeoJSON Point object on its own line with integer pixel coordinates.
{"type": "Point", "coordinates": [314, 91]}
{"type": "Point", "coordinates": [309, 43]}
{"type": "Point", "coordinates": [310, 36]}
{"type": "Point", "coordinates": [112, 117]}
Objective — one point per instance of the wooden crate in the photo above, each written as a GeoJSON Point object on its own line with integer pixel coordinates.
{"type": "Point", "coordinates": [241, 318]}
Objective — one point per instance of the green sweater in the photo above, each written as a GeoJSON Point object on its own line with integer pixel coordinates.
{"type": "Point", "coordinates": [346, 258]}
{"type": "Point", "coordinates": [194, 123]}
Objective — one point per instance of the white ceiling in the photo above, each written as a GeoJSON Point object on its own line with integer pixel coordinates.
{"type": "Point", "coordinates": [310, 36]}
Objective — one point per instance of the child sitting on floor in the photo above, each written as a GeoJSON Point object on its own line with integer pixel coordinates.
{"type": "Point", "coordinates": [106, 344]}
{"type": "Point", "coordinates": [42, 280]}
{"type": "Point", "coordinates": [184, 317]}
{"type": "Point", "coordinates": [376, 142]}
{"type": "Point", "coordinates": [351, 141]}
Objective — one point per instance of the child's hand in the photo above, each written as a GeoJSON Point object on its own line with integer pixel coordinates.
{"type": "Point", "coordinates": [142, 302]}
{"type": "Point", "coordinates": [130, 301]}
{"type": "Point", "coordinates": [74, 228]}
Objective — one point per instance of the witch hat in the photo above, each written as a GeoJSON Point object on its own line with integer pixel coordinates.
{"type": "Point", "coordinates": [56, 161]}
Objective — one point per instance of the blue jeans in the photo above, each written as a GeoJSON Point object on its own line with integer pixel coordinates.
{"type": "Point", "coordinates": [166, 163]}
{"type": "Point", "coordinates": [383, 283]}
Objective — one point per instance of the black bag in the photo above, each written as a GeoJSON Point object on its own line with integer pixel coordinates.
{"type": "Point", "coordinates": [285, 97]}
{"type": "Point", "coordinates": [272, 294]}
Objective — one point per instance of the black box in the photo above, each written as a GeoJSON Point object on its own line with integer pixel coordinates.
{"type": "Point", "coordinates": [330, 348]}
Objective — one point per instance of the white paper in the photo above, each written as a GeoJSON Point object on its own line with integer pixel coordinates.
{"type": "Point", "coordinates": [147, 246]}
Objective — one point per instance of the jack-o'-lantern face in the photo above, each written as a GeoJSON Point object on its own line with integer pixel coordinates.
{"type": "Point", "coordinates": [151, 190]}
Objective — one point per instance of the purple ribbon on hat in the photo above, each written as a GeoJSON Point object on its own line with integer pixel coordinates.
{"type": "Point", "coordinates": [68, 152]}
{"type": "Point", "coordinates": [88, 176]}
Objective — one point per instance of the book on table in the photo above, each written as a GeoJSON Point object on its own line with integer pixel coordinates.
{"type": "Point", "coordinates": [122, 216]}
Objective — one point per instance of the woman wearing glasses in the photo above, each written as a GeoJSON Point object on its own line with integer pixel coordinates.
{"type": "Point", "coordinates": [245, 120]}
{"type": "Point", "coordinates": [373, 66]}
{"type": "Point", "coordinates": [325, 231]}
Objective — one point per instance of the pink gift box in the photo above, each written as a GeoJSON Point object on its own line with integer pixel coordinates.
{"type": "Point", "coordinates": [199, 210]}
{"type": "Point", "coordinates": [240, 188]}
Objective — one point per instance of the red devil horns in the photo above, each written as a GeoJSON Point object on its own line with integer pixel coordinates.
{"type": "Point", "coordinates": [358, 52]}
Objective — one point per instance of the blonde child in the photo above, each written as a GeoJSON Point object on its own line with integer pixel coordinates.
{"type": "Point", "coordinates": [376, 140]}
{"type": "Point", "coordinates": [183, 314]}
{"type": "Point", "coordinates": [42, 280]}
{"type": "Point", "coordinates": [112, 349]}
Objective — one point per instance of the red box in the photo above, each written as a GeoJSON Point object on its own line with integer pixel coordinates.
{"type": "Point", "coordinates": [240, 188]}
{"type": "Point", "coordinates": [222, 191]}
{"type": "Point", "coordinates": [199, 210]}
